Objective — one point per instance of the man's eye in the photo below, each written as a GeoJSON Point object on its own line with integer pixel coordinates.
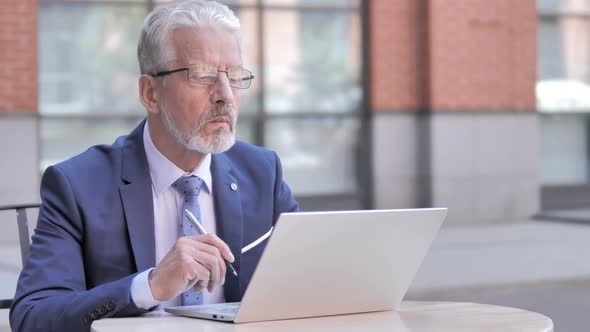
{"type": "Point", "coordinates": [204, 75]}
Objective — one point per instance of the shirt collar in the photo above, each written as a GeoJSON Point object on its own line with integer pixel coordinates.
{"type": "Point", "coordinates": [164, 172]}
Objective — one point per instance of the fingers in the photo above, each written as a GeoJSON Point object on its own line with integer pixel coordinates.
{"type": "Point", "coordinates": [210, 258]}
{"type": "Point", "coordinates": [215, 241]}
{"type": "Point", "coordinates": [194, 270]}
{"type": "Point", "coordinates": [211, 263]}
{"type": "Point", "coordinates": [208, 278]}
{"type": "Point", "coordinates": [215, 280]}
{"type": "Point", "coordinates": [198, 287]}
{"type": "Point", "coordinates": [192, 262]}
{"type": "Point", "coordinates": [199, 262]}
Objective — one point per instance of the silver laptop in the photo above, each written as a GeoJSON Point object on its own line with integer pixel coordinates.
{"type": "Point", "coordinates": [332, 263]}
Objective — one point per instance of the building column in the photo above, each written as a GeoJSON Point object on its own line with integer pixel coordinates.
{"type": "Point", "coordinates": [454, 107]}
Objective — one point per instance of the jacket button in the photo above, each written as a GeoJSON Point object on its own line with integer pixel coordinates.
{"type": "Point", "coordinates": [111, 305]}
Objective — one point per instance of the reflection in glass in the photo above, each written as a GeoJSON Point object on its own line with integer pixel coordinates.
{"type": "Point", "coordinates": [250, 99]}
{"type": "Point", "coordinates": [563, 89]}
{"type": "Point", "coordinates": [564, 149]}
{"type": "Point", "coordinates": [318, 154]}
{"type": "Point", "coordinates": [87, 57]}
{"type": "Point", "coordinates": [245, 129]}
{"type": "Point", "coordinates": [312, 61]}
{"type": "Point", "coordinates": [564, 59]}
{"type": "Point", "coordinates": [62, 139]}
{"type": "Point", "coordinates": [547, 5]}
{"type": "Point", "coordinates": [563, 6]}
{"type": "Point", "coordinates": [230, 3]}
{"type": "Point", "coordinates": [313, 3]}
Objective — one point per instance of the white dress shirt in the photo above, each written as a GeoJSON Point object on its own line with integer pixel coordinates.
{"type": "Point", "coordinates": [167, 211]}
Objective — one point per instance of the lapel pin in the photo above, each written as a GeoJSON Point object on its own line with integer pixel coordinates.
{"type": "Point", "coordinates": [234, 187]}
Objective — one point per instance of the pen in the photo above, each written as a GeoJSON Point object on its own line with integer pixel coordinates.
{"type": "Point", "coordinates": [192, 219]}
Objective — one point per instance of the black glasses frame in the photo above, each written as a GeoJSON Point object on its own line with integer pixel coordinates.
{"type": "Point", "coordinates": [168, 72]}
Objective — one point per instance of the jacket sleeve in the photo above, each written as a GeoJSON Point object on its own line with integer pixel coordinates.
{"type": "Point", "coordinates": [283, 198]}
{"type": "Point", "coordinates": [51, 293]}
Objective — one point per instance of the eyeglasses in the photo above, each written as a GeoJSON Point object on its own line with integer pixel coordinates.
{"type": "Point", "coordinates": [206, 74]}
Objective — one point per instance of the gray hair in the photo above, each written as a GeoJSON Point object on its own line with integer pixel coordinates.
{"type": "Point", "coordinates": [153, 51]}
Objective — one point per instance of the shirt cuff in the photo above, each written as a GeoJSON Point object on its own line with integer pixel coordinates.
{"type": "Point", "coordinates": [141, 294]}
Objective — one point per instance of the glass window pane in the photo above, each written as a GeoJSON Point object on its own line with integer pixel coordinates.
{"type": "Point", "coordinates": [547, 5]}
{"type": "Point", "coordinates": [564, 65]}
{"type": "Point", "coordinates": [226, 2]}
{"type": "Point", "coordinates": [64, 138]}
{"type": "Point", "coordinates": [239, 2]}
{"type": "Point", "coordinates": [246, 130]}
{"type": "Point", "coordinates": [87, 55]}
{"type": "Point", "coordinates": [250, 98]}
{"type": "Point", "coordinates": [565, 6]}
{"type": "Point", "coordinates": [563, 89]}
{"type": "Point", "coordinates": [564, 149]}
{"type": "Point", "coordinates": [312, 61]}
{"type": "Point", "coordinates": [313, 168]}
{"type": "Point", "coordinates": [313, 3]}
{"type": "Point", "coordinates": [550, 50]}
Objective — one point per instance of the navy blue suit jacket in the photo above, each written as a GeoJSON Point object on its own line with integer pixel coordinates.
{"type": "Point", "coordinates": [96, 230]}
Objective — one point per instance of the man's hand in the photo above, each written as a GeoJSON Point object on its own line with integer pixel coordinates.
{"type": "Point", "coordinates": [197, 258]}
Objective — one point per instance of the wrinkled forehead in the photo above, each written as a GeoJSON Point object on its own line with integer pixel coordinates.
{"type": "Point", "coordinates": [214, 46]}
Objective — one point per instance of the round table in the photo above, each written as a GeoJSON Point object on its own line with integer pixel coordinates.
{"type": "Point", "coordinates": [412, 317]}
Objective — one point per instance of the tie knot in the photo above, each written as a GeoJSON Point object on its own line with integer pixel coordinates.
{"type": "Point", "coordinates": [188, 185]}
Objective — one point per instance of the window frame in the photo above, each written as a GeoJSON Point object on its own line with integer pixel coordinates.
{"type": "Point", "coordinates": [565, 196]}
{"type": "Point", "coordinates": [363, 197]}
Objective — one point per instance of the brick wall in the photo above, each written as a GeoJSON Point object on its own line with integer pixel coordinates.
{"type": "Point", "coordinates": [18, 55]}
{"type": "Point", "coordinates": [453, 54]}
{"type": "Point", "coordinates": [394, 54]}
{"type": "Point", "coordinates": [483, 54]}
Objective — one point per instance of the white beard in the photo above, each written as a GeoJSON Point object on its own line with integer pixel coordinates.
{"type": "Point", "coordinates": [221, 141]}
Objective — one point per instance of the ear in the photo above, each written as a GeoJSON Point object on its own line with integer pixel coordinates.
{"type": "Point", "coordinates": [148, 93]}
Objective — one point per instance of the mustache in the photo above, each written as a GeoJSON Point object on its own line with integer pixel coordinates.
{"type": "Point", "coordinates": [216, 112]}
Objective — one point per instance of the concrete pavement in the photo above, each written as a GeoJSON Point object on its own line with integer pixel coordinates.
{"type": "Point", "coordinates": [535, 265]}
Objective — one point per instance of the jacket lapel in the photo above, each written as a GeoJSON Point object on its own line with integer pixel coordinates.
{"type": "Point", "coordinates": [228, 215]}
{"type": "Point", "coordinates": [136, 195]}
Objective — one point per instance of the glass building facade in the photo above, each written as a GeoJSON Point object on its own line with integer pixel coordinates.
{"type": "Point", "coordinates": [563, 102]}
{"type": "Point", "coordinates": [306, 102]}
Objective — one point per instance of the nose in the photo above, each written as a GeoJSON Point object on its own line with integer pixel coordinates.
{"type": "Point", "coordinates": [222, 93]}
